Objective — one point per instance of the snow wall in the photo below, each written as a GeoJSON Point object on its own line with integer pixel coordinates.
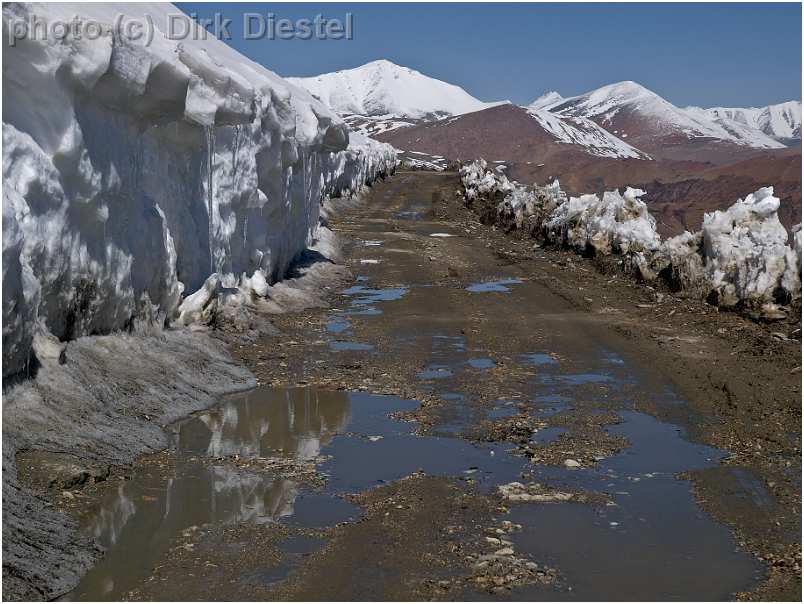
{"type": "Point", "coordinates": [135, 169]}
{"type": "Point", "coordinates": [740, 258]}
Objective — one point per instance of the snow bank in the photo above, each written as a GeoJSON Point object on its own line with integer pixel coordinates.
{"type": "Point", "coordinates": [133, 171]}
{"type": "Point", "coordinates": [741, 255]}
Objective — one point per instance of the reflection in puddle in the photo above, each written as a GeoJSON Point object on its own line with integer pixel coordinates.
{"type": "Point", "coordinates": [493, 286]}
{"type": "Point", "coordinates": [658, 532]}
{"type": "Point", "coordinates": [366, 295]}
{"type": "Point", "coordinates": [409, 215]}
{"type": "Point", "coordinates": [547, 435]}
{"type": "Point", "coordinates": [576, 379]}
{"type": "Point", "coordinates": [539, 359]}
{"type": "Point", "coordinates": [481, 363]}
{"type": "Point", "coordinates": [356, 346]}
{"type": "Point", "coordinates": [139, 521]}
{"type": "Point", "coordinates": [338, 324]}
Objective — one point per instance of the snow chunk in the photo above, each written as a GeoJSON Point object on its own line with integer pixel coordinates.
{"type": "Point", "coordinates": [745, 250]}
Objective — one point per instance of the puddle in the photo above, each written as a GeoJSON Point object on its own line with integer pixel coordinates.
{"type": "Point", "coordinates": [338, 325]}
{"type": "Point", "coordinates": [547, 435]}
{"type": "Point", "coordinates": [410, 215]}
{"type": "Point", "coordinates": [365, 296]}
{"type": "Point", "coordinates": [576, 379]}
{"type": "Point", "coordinates": [666, 547]}
{"type": "Point", "coordinates": [504, 411]}
{"type": "Point", "coordinates": [340, 346]}
{"type": "Point", "coordinates": [484, 363]}
{"type": "Point", "coordinates": [493, 286]}
{"type": "Point", "coordinates": [362, 302]}
{"type": "Point", "coordinates": [139, 522]}
{"type": "Point", "coordinates": [538, 359]}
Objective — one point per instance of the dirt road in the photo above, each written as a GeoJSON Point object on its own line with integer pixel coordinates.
{"type": "Point", "coordinates": [474, 418]}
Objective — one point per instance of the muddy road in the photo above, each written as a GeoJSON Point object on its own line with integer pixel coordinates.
{"type": "Point", "coordinates": [471, 418]}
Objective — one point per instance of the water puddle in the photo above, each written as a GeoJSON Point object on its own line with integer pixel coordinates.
{"type": "Point", "coordinates": [493, 286]}
{"type": "Point", "coordinates": [484, 363]}
{"type": "Point", "coordinates": [223, 475]}
{"type": "Point", "coordinates": [341, 345]}
{"type": "Point", "coordinates": [364, 296]}
{"type": "Point", "coordinates": [547, 435]}
{"type": "Point", "coordinates": [410, 215]}
{"type": "Point", "coordinates": [666, 547]}
{"type": "Point", "coordinates": [538, 359]}
{"type": "Point", "coordinates": [338, 324]}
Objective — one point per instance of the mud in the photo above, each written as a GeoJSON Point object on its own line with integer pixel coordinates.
{"type": "Point", "coordinates": [620, 411]}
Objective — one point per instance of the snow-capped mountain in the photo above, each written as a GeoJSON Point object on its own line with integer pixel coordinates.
{"type": "Point", "coordinates": [781, 121]}
{"type": "Point", "coordinates": [546, 100]}
{"type": "Point", "coordinates": [381, 88]}
{"type": "Point", "coordinates": [650, 122]}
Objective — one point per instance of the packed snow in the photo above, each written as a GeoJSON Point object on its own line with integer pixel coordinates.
{"type": "Point", "coordinates": [741, 256]}
{"type": "Point", "coordinates": [134, 174]}
{"type": "Point", "coordinates": [383, 89]}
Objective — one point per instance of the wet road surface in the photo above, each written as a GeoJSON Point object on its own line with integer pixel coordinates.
{"type": "Point", "coordinates": [434, 316]}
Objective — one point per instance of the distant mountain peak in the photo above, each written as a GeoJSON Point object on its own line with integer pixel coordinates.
{"type": "Point", "coordinates": [551, 97]}
{"type": "Point", "coordinates": [781, 121]}
{"type": "Point", "coordinates": [652, 123]}
{"type": "Point", "coordinates": [383, 88]}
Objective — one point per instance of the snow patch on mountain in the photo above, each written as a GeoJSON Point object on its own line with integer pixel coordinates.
{"type": "Point", "coordinates": [587, 134]}
{"type": "Point", "coordinates": [384, 89]}
{"type": "Point", "coordinates": [132, 172]}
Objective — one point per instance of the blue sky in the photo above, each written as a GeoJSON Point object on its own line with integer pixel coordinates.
{"type": "Point", "coordinates": [692, 54]}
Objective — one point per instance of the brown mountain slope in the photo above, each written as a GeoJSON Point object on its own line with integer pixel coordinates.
{"type": "Point", "coordinates": [679, 191]}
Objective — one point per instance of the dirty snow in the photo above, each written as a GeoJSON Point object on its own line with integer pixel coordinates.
{"type": "Point", "coordinates": [741, 256]}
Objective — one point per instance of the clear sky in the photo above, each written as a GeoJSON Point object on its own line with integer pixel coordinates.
{"type": "Point", "coordinates": [691, 54]}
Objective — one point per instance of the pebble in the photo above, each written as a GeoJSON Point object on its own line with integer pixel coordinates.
{"type": "Point", "coordinates": [506, 551]}
{"type": "Point", "coordinates": [571, 463]}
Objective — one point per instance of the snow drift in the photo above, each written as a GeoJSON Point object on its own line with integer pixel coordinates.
{"type": "Point", "coordinates": [741, 256]}
{"type": "Point", "coordinates": [133, 171]}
